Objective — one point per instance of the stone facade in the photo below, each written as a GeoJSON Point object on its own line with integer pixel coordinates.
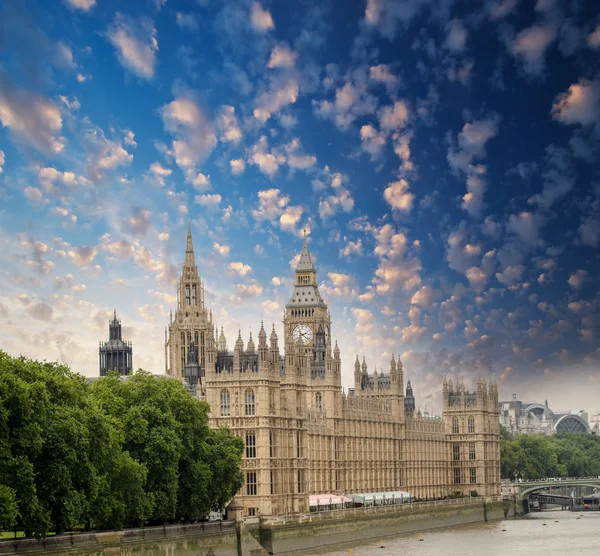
{"type": "Point", "coordinates": [116, 354]}
{"type": "Point", "coordinates": [303, 435]}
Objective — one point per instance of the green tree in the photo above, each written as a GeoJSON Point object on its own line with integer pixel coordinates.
{"type": "Point", "coordinates": [9, 510]}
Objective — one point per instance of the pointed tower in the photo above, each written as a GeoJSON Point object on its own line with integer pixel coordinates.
{"type": "Point", "coordinates": [191, 321]}
{"type": "Point", "coordinates": [115, 354]}
{"type": "Point", "coordinates": [357, 381]}
{"type": "Point", "coordinates": [238, 350]}
{"type": "Point", "coordinates": [263, 349]}
{"type": "Point", "coordinates": [409, 400]}
{"type": "Point", "coordinates": [222, 344]}
{"type": "Point", "coordinates": [306, 310]}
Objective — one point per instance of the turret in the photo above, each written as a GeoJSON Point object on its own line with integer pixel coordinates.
{"type": "Point", "coordinates": [237, 352]}
{"type": "Point", "coordinates": [375, 380]}
{"type": "Point", "coordinates": [222, 345]}
{"type": "Point", "coordinates": [337, 363]}
{"type": "Point", "coordinates": [251, 348]}
{"type": "Point", "coordinates": [357, 381]}
{"type": "Point", "coordinates": [263, 349]}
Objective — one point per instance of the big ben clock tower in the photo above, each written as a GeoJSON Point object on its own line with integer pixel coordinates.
{"type": "Point", "coordinates": [307, 320]}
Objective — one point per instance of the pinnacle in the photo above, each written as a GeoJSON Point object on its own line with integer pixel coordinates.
{"type": "Point", "coordinates": [189, 247]}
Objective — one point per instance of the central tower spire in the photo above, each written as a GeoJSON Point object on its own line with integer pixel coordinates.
{"type": "Point", "coordinates": [189, 248]}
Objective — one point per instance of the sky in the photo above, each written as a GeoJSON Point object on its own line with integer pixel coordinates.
{"type": "Point", "coordinates": [441, 156]}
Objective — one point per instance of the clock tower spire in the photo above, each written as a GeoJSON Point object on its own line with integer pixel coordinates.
{"type": "Point", "coordinates": [306, 311]}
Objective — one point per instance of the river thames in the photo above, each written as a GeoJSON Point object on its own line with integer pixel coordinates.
{"type": "Point", "coordinates": [526, 536]}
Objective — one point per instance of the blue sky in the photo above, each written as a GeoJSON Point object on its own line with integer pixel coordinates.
{"type": "Point", "coordinates": [441, 155]}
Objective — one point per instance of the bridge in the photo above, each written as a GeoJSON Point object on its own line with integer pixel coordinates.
{"type": "Point", "coordinates": [530, 490]}
{"type": "Point", "coordinates": [528, 487]}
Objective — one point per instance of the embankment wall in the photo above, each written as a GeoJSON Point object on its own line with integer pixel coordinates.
{"type": "Point", "coordinates": [301, 534]}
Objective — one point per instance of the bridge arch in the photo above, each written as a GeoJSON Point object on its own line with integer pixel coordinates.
{"type": "Point", "coordinates": [527, 489]}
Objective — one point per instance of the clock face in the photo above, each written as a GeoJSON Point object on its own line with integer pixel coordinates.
{"type": "Point", "coordinates": [303, 333]}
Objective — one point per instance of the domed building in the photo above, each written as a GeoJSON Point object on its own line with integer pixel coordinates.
{"type": "Point", "coordinates": [534, 418]}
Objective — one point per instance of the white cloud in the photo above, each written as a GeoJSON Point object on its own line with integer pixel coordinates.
{"type": "Point", "coordinates": [558, 178]}
{"type": "Point", "coordinates": [579, 105]}
{"type": "Point", "coordinates": [351, 101]}
{"type": "Point", "coordinates": [31, 117]}
{"type": "Point", "coordinates": [50, 176]}
{"type": "Point", "coordinates": [281, 92]}
{"type": "Point", "coordinates": [260, 18]}
{"type": "Point", "coordinates": [237, 166]}
{"type": "Point", "coordinates": [340, 200]}
{"type": "Point", "coordinates": [510, 275]}
{"type": "Point", "coordinates": [186, 21]}
{"type": "Point", "coordinates": [103, 155]}
{"type": "Point", "coordinates": [456, 38]}
{"type": "Point", "coordinates": [275, 207]}
{"type": "Point", "coordinates": [194, 133]}
{"type": "Point", "coordinates": [83, 255]}
{"type": "Point", "coordinates": [296, 158]}
{"type": "Point", "coordinates": [529, 46]}
{"type": "Point", "coordinates": [372, 141]}
{"type": "Point", "coordinates": [281, 57]}
{"type": "Point", "coordinates": [395, 117]}
{"type": "Point", "coordinates": [577, 279]}
{"type": "Point", "coordinates": [228, 126]}
{"type": "Point", "coordinates": [387, 15]}
{"type": "Point", "coordinates": [222, 250]}
{"type": "Point", "coordinates": [352, 248]}
{"type": "Point", "coordinates": [398, 196]}
{"type": "Point", "coordinates": [471, 145]}
{"type": "Point", "coordinates": [239, 268]}
{"type": "Point", "coordinates": [268, 162]}
{"type": "Point", "coordinates": [593, 39]}
{"type": "Point", "coordinates": [526, 226]}
{"type": "Point", "coordinates": [499, 9]}
{"type": "Point", "coordinates": [136, 44]}
{"type": "Point", "coordinates": [208, 200]}
{"type": "Point", "coordinates": [2, 160]}
{"type": "Point", "coordinates": [159, 172]}
{"type": "Point", "coordinates": [382, 74]}
{"type": "Point", "coordinates": [425, 296]}
{"type": "Point", "coordinates": [397, 269]}
{"type": "Point", "coordinates": [589, 231]}
{"type": "Point", "coordinates": [83, 5]}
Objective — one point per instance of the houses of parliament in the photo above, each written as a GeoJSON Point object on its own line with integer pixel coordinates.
{"type": "Point", "coordinates": [303, 434]}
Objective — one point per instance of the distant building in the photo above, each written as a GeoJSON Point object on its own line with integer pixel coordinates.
{"type": "Point", "coordinates": [409, 400]}
{"type": "Point", "coordinates": [116, 353]}
{"type": "Point", "coordinates": [595, 424]}
{"type": "Point", "coordinates": [533, 418]}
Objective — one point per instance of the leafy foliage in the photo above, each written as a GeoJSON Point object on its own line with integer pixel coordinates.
{"type": "Point", "coordinates": [538, 456]}
{"type": "Point", "coordinates": [114, 454]}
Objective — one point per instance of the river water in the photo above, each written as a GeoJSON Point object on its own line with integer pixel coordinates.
{"type": "Point", "coordinates": [525, 537]}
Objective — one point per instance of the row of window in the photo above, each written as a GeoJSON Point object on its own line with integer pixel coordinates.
{"type": "Point", "coordinates": [456, 451]}
{"type": "Point", "coordinates": [249, 402]}
{"type": "Point", "coordinates": [456, 426]}
{"type": "Point", "coordinates": [251, 445]}
{"type": "Point", "coordinates": [251, 485]}
{"type": "Point", "coordinates": [458, 475]}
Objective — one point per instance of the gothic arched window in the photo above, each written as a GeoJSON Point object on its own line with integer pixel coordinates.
{"type": "Point", "coordinates": [455, 429]}
{"type": "Point", "coordinates": [319, 401]}
{"type": "Point", "coordinates": [187, 295]}
{"type": "Point", "coordinates": [471, 424]}
{"type": "Point", "coordinates": [250, 444]}
{"type": "Point", "coordinates": [194, 294]}
{"type": "Point", "coordinates": [249, 402]}
{"type": "Point", "coordinates": [225, 403]}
